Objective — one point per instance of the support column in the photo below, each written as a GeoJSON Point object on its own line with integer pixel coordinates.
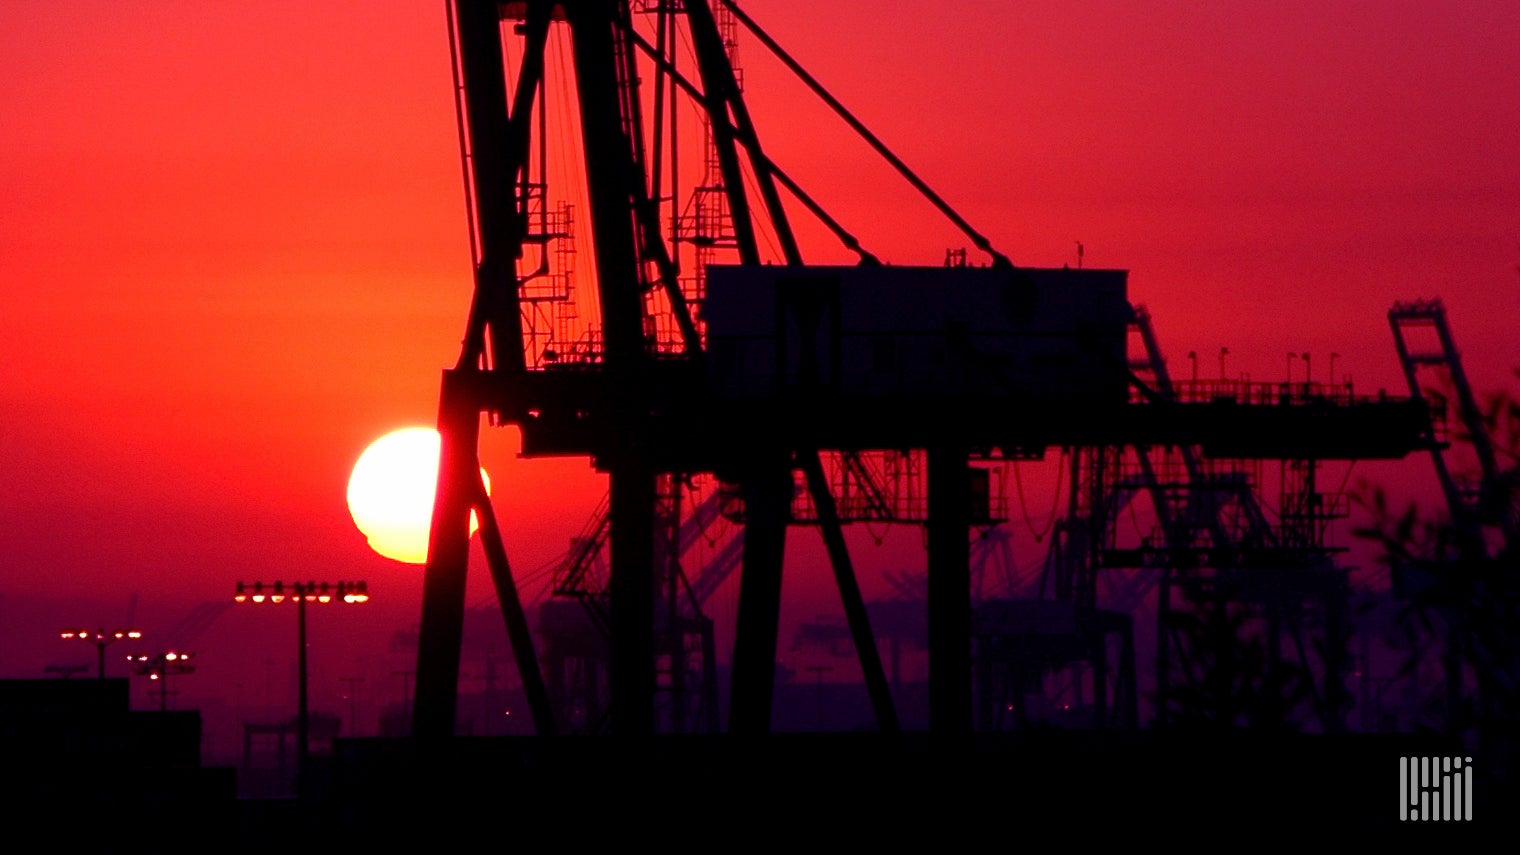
{"type": "Point", "coordinates": [303, 708]}
{"type": "Point", "coordinates": [1094, 627]}
{"type": "Point", "coordinates": [631, 592]}
{"type": "Point", "coordinates": [1337, 640]}
{"type": "Point", "coordinates": [950, 700]}
{"type": "Point", "coordinates": [443, 582]}
{"type": "Point", "coordinates": [767, 492]}
{"type": "Point", "coordinates": [1162, 712]}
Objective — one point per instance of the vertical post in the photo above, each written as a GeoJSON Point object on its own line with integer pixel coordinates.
{"type": "Point", "coordinates": [1099, 674]}
{"type": "Point", "coordinates": [1163, 645]}
{"type": "Point", "coordinates": [949, 616]}
{"type": "Point", "coordinates": [631, 593]}
{"type": "Point", "coordinates": [766, 489]}
{"type": "Point", "coordinates": [100, 660]}
{"type": "Point", "coordinates": [303, 720]}
{"type": "Point", "coordinates": [614, 176]}
{"type": "Point", "coordinates": [443, 583]}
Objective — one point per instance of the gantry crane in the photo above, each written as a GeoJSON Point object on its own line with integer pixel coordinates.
{"type": "Point", "coordinates": [1477, 501]}
{"type": "Point", "coordinates": [1482, 515]}
{"type": "Point", "coordinates": [756, 370]}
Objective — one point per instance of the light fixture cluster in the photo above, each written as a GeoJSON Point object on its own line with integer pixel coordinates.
{"type": "Point", "coordinates": [311, 592]}
{"type": "Point", "coordinates": [100, 636]}
{"type": "Point", "coordinates": [101, 639]}
{"type": "Point", "coordinates": [155, 666]}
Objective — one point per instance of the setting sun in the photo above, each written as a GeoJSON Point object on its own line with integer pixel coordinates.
{"type": "Point", "coordinates": [390, 493]}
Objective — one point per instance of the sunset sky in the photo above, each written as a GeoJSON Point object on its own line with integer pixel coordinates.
{"type": "Point", "coordinates": [234, 251]}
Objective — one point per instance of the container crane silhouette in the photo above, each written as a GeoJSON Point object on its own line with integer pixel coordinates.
{"type": "Point", "coordinates": [758, 372]}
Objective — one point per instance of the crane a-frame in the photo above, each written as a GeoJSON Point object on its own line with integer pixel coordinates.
{"type": "Point", "coordinates": [752, 370]}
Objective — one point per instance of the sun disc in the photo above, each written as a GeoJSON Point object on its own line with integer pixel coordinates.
{"type": "Point", "coordinates": [391, 489]}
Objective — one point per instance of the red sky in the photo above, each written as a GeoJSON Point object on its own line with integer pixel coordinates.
{"type": "Point", "coordinates": [235, 249]}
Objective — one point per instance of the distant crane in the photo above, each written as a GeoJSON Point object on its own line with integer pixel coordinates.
{"type": "Point", "coordinates": [196, 622]}
{"type": "Point", "coordinates": [1480, 493]}
{"type": "Point", "coordinates": [1478, 499]}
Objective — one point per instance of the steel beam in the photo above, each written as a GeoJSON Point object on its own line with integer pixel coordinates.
{"type": "Point", "coordinates": [849, 593]}
{"type": "Point", "coordinates": [950, 694]}
{"type": "Point", "coordinates": [443, 583]}
{"type": "Point", "coordinates": [767, 491]}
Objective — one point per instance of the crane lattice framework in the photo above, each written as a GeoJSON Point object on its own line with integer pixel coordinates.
{"type": "Point", "coordinates": [1481, 512]}
{"type": "Point", "coordinates": [784, 363]}
{"type": "Point", "coordinates": [1213, 545]}
{"type": "Point", "coordinates": [1483, 517]}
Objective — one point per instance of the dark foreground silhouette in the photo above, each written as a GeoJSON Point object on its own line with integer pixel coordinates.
{"type": "Point", "coordinates": [87, 775]}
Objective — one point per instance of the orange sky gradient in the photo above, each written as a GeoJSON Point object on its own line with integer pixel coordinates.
{"type": "Point", "coordinates": [234, 250]}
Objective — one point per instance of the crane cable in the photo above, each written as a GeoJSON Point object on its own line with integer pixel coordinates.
{"type": "Point", "coordinates": [1018, 481]}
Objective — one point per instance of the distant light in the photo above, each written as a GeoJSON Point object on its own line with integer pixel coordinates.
{"type": "Point", "coordinates": [100, 638]}
{"type": "Point", "coordinates": [302, 592]}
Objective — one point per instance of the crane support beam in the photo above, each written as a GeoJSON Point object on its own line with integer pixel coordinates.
{"type": "Point", "coordinates": [849, 592]}
{"type": "Point", "coordinates": [494, 163]}
{"type": "Point", "coordinates": [612, 178]}
{"type": "Point", "coordinates": [721, 91]}
{"type": "Point", "coordinates": [767, 491]}
{"type": "Point", "coordinates": [441, 630]}
{"type": "Point", "coordinates": [572, 416]}
{"type": "Point", "coordinates": [631, 591]}
{"type": "Point", "coordinates": [950, 694]}
{"type": "Point", "coordinates": [512, 614]}
{"type": "Point", "coordinates": [981, 242]}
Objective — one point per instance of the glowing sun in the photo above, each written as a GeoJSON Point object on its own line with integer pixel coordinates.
{"type": "Point", "coordinates": [390, 493]}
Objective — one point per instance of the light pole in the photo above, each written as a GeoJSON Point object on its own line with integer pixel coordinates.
{"type": "Point", "coordinates": [158, 667]}
{"type": "Point", "coordinates": [101, 639]}
{"type": "Point", "coordinates": [302, 593]}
